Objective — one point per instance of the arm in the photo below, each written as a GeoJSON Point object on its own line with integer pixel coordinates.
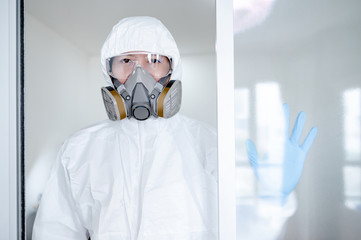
{"type": "Point", "coordinates": [57, 217]}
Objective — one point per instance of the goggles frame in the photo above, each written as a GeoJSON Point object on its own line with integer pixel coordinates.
{"type": "Point", "coordinates": [109, 61]}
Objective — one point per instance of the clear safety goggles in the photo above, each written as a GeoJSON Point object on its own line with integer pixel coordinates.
{"type": "Point", "coordinates": [120, 67]}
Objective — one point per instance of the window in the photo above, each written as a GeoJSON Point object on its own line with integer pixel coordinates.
{"type": "Point", "coordinates": [352, 148]}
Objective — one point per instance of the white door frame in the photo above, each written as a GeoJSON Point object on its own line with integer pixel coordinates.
{"type": "Point", "coordinates": [9, 120]}
{"type": "Point", "coordinates": [225, 111]}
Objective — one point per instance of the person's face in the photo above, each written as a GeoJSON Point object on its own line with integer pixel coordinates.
{"type": "Point", "coordinates": [122, 66]}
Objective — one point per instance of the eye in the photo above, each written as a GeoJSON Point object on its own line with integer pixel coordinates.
{"type": "Point", "coordinates": [125, 60]}
{"type": "Point", "coordinates": [154, 58]}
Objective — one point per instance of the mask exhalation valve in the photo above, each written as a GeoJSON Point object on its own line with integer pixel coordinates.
{"type": "Point", "coordinates": [141, 112]}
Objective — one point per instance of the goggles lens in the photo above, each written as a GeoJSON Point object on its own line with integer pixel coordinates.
{"type": "Point", "coordinates": [120, 67]}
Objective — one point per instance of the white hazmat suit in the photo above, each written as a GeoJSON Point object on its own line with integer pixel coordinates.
{"type": "Point", "coordinates": [129, 179]}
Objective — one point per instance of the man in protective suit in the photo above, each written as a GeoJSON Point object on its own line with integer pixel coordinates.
{"type": "Point", "coordinates": [132, 179]}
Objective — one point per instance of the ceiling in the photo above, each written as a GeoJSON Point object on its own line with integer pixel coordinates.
{"type": "Point", "coordinates": [86, 23]}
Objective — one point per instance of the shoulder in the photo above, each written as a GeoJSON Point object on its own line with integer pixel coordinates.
{"type": "Point", "coordinates": [200, 134]}
{"type": "Point", "coordinates": [193, 123]}
{"type": "Point", "coordinates": [89, 143]}
{"type": "Point", "coordinates": [195, 126]}
{"type": "Point", "coordinates": [100, 130]}
{"type": "Point", "coordinates": [90, 139]}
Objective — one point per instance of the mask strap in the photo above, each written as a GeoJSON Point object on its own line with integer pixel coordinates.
{"type": "Point", "coordinates": [116, 82]}
{"type": "Point", "coordinates": [164, 80]}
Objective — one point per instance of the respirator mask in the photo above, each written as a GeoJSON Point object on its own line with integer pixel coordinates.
{"type": "Point", "coordinates": [141, 87]}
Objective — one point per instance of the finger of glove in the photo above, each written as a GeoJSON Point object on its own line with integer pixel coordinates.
{"type": "Point", "coordinates": [297, 129]}
{"type": "Point", "coordinates": [252, 153]}
{"type": "Point", "coordinates": [307, 143]}
{"type": "Point", "coordinates": [286, 111]}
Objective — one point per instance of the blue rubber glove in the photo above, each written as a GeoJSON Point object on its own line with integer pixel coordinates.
{"type": "Point", "coordinates": [280, 176]}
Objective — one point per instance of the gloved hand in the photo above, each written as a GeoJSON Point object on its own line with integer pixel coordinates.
{"type": "Point", "coordinates": [280, 171]}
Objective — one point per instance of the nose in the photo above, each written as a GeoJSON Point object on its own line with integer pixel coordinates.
{"type": "Point", "coordinates": [143, 69]}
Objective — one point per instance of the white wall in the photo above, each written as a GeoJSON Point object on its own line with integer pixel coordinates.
{"type": "Point", "coordinates": [200, 87]}
{"type": "Point", "coordinates": [58, 101]}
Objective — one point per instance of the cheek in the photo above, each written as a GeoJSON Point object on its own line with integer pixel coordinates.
{"type": "Point", "coordinates": [122, 81]}
{"type": "Point", "coordinates": [156, 78]}
{"type": "Point", "coordinates": [120, 76]}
